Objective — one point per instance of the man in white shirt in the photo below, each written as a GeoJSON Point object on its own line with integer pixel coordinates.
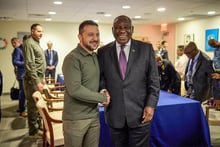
{"type": "Point", "coordinates": [181, 62]}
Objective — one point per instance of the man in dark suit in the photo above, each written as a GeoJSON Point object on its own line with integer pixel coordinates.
{"type": "Point", "coordinates": [198, 73]}
{"type": "Point", "coordinates": [163, 50]}
{"type": "Point", "coordinates": [51, 59]}
{"type": "Point", "coordinates": [129, 73]}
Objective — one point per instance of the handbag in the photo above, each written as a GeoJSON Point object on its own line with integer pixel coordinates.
{"type": "Point", "coordinates": [14, 92]}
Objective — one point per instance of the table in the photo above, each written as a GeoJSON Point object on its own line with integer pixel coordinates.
{"type": "Point", "coordinates": [177, 121]}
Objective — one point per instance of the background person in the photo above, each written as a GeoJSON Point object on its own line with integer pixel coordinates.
{"type": "Point", "coordinates": [35, 67]}
{"type": "Point", "coordinates": [180, 66]}
{"type": "Point", "coordinates": [51, 60]}
{"type": "Point", "coordinates": [216, 59]}
{"type": "Point", "coordinates": [198, 73]}
{"type": "Point", "coordinates": [129, 73]}
{"type": "Point", "coordinates": [169, 78]}
{"type": "Point", "coordinates": [18, 62]}
{"type": "Point", "coordinates": [216, 64]}
{"type": "Point", "coordinates": [81, 75]}
{"type": "Point", "coordinates": [163, 50]}
{"type": "Point", "coordinates": [181, 62]}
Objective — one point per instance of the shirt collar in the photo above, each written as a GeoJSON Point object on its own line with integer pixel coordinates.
{"type": "Point", "coordinates": [127, 44]}
{"type": "Point", "coordinates": [83, 52]}
{"type": "Point", "coordinates": [196, 56]}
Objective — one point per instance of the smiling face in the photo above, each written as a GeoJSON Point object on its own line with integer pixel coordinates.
{"type": "Point", "coordinates": [89, 38]}
{"type": "Point", "coordinates": [122, 29]}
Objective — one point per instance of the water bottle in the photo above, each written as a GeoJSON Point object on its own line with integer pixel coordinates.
{"type": "Point", "coordinates": [211, 101]}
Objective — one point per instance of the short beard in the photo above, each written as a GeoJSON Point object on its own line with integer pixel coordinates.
{"type": "Point", "coordinates": [88, 47]}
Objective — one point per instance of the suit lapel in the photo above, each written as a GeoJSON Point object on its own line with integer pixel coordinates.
{"type": "Point", "coordinates": [199, 62]}
{"type": "Point", "coordinates": [132, 57]}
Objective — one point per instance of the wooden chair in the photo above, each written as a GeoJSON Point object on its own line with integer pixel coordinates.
{"type": "Point", "coordinates": [53, 102]}
{"type": "Point", "coordinates": [53, 85]}
{"type": "Point", "coordinates": [53, 129]}
{"type": "Point", "coordinates": [54, 113]}
{"type": "Point", "coordinates": [49, 80]}
{"type": "Point", "coordinates": [215, 108]}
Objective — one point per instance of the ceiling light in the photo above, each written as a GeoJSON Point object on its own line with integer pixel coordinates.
{"type": "Point", "coordinates": [137, 17]}
{"type": "Point", "coordinates": [52, 13]}
{"type": "Point", "coordinates": [161, 9]}
{"type": "Point", "coordinates": [48, 19]}
{"type": "Point", "coordinates": [96, 20]}
{"type": "Point", "coordinates": [58, 2]}
{"type": "Point", "coordinates": [126, 7]}
{"type": "Point", "coordinates": [211, 12]}
{"type": "Point", "coordinates": [181, 18]}
{"type": "Point", "coordinates": [107, 15]}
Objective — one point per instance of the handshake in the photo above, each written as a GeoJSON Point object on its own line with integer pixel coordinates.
{"type": "Point", "coordinates": [106, 93]}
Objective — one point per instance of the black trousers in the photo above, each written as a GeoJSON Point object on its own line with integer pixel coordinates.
{"type": "Point", "coordinates": [131, 137]}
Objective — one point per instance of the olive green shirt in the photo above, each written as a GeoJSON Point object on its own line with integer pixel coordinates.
{"type": "Point", "coordinates": [81, 78]}
{"type": "Point", "coordinates": [34, 59]}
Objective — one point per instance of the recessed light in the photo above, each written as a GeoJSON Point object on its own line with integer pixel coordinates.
{"type": "Point", "coordinates": [58, 2]}
{"type": "Point", "coordinates": [48, 19]}
{"type": "Point", "coordinates": [137, 17]}
{"type": "Point", "coordinates": [96, 20]}
{"type": "Point", "coordinates": [126, 7]}
{"type": "Point", "coordinates": [181, 18]}
{"type": "Point", "coordinates": [161, 9]}
{"type": "Point", "coordinates": [211, 12]}
{"type": "Point", "coordinates": [52, 13]}
{"type": "Point", "coordinates": [107, 15]}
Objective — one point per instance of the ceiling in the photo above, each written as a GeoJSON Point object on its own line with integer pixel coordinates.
{"type": "Point", "coordinates": [79, 10]}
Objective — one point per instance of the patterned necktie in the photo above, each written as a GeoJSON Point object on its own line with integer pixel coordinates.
{"type": "Point", "coordinates": [50, 57]}
{"type": "Point", "coordinates": [191, 65]}
{"type": "Point", "coordinates": [122, 62]}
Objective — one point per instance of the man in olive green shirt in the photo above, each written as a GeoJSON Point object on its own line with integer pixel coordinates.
{"type": "Point", "coordinates": [35, 67]}
{"type": "Point", "coordinates": [81, 77]}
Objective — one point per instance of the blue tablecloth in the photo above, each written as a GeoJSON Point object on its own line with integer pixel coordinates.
{"type": "Point", "coordinates": [177, 121]}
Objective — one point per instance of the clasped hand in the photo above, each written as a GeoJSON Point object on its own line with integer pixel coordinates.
{"type": "Point", "coordinates": [106, 93]}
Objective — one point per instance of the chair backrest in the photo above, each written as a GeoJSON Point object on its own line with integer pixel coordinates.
{"type": "Point", "coordinates": [49, 80]}
{"type": "Point", "coordinates": [42, 108]}
{"type": "Point", "coordinates": [47, 93]}
{"type": "Point", "coordinates": [48, 121]}
{"type": "Point", "coordinates": [37, 95]}
{"type": "Point", "coordinates": [217, 104]}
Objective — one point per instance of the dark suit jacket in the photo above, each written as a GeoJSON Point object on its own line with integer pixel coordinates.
{"type": "Point", "coordinates": [139, 89]}
{"type": "Point", "coordinates": [202, 77]}
{"type": "Point", "coordinates": [55, 58]}
{"type": "Point", "coordinates": [163, 53]}
{"type": "Point", "coordinates": [169, 77]}
{"type": "Point", "coordinates": [18, 62]}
